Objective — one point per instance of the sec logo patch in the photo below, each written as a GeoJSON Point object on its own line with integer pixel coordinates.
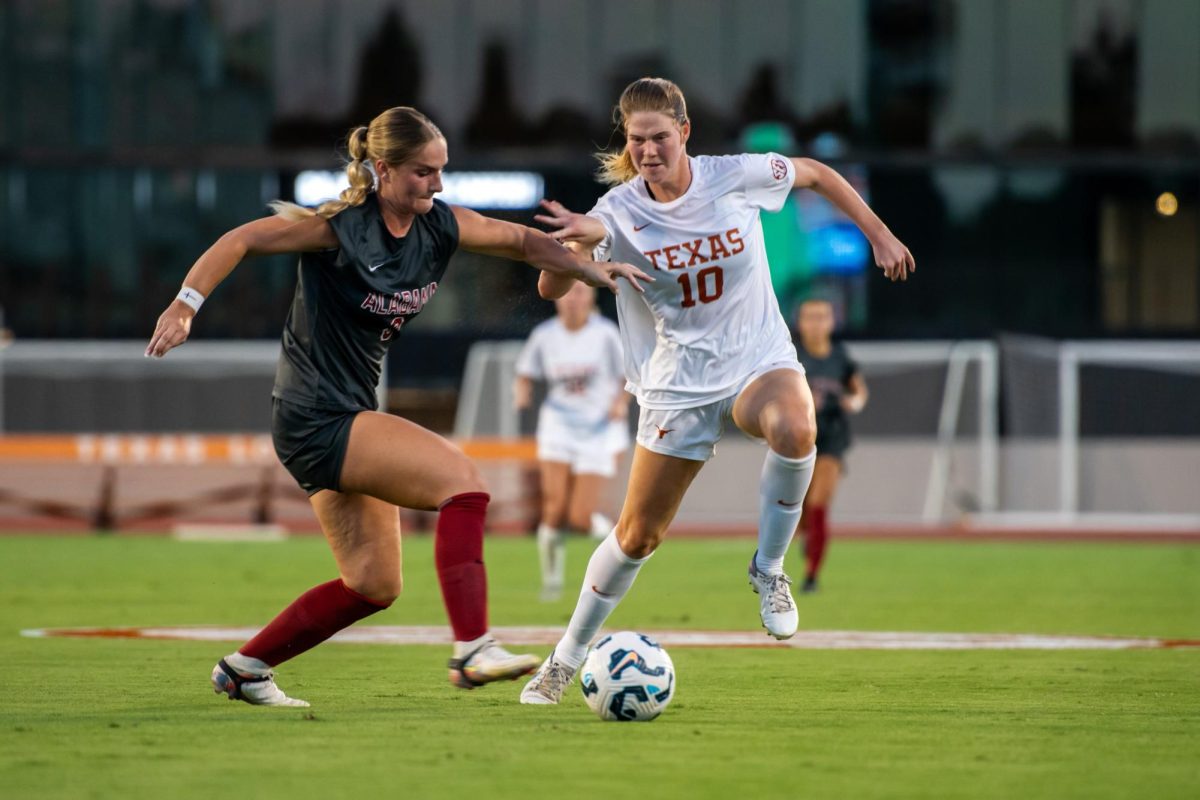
{"type": "Point", "coordinates": [778, 168]}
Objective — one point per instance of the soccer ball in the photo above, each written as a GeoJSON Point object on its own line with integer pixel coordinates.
{"type": "Point", "coordinates": [627, 677]}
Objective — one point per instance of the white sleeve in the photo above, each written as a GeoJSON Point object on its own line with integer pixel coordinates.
{"type": "Point", "coordinates": [769, 178]}
{"type": "Point", "coordinates": [603, 212]}
{"type": "Point", "coordinates": [529, 362]}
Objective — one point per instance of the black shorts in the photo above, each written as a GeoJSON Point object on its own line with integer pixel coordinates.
{"type": "Point", "coordinates": [311, 443]}
{"type": "Point", "coordinates": [833, 437]}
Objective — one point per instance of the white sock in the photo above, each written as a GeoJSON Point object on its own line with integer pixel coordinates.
{"type": "Point", "coordinates": [463, 648]}
{"type": "Point", "coordinates": [245, 665]}
{"type": "Point", "coordinates": [781, 497]}
{"type": "Point", "coordinates": [551, 555]}
{"type": "Point", "coordinates": [609, 575]}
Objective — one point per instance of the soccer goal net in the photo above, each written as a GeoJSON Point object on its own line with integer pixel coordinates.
{"type": "Point", "coordinates": [1101, 434]}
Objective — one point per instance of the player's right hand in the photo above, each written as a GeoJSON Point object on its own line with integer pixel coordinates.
{"type": "Point", "coordinates": [571, 227]}
{"type": "Point", "coordinates": [605, 274]}
{"type": "Point", "coordinates": [172, 329]}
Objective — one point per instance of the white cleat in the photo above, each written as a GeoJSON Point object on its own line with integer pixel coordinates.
{"type": "Point", "coordinates": [257, 690]}
{"type": "Point", "coordinates": [547, 686]}
{"type": "Point", "coordinates": [775, 604]}
{"type": "Point", "coordinates": [487, 663]}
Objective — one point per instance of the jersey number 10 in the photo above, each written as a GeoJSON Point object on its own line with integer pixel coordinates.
{"type": "Point", "coordinates": [710, 283]}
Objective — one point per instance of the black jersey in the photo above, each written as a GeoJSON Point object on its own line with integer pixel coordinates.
{"type": "Point", "coordinates": [829, 378]}
{"type": "Point", "coordinates": [352, 301]}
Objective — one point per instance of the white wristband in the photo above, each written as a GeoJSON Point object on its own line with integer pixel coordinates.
{"type": "Point", "coordinates": [190, 297]}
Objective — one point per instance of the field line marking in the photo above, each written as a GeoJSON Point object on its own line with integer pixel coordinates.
{"type": "Point", "coordinates": [535, 635]}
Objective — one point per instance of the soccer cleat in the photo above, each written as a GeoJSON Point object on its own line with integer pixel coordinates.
{"type": "Point", "coordinates": [551, 594]}
{"type": "Point", "coordinates": [257, 690]}
{"type": "Point", "coordinates": [546, 687]}
{"type": "Point", "coordinates": [487, 663]}
{"type": "Point", "coordinates": [809, 586]}
{"type": "Point", "coordinates": [775, 604]}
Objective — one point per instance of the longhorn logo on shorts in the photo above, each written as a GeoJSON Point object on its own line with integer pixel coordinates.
{"type": "Point", "coordinates": [663, 431]}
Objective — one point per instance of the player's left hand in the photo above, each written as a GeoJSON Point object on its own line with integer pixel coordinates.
{"type": "Point", "coordinates": [172, 329]}
{"type": "Point", "coordinates": [605, 274]}
{"type": "Point", "coordinates": [893, 257]}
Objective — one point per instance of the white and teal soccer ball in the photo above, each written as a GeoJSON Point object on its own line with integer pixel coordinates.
{"type": "Point", "coordinates": [628, 677]}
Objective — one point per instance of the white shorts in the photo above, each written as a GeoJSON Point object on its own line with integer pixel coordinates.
{"type": "Point", "coordinates": [693, 433]}
{"type": "Point", "coordinates": [587, 452]}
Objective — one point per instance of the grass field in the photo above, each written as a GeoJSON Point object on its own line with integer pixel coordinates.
{"type": "Point", "coordinates": [108, 718]}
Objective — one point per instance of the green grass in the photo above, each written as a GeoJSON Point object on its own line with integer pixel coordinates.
{"type": "Point", "coordinates": [102, 718]}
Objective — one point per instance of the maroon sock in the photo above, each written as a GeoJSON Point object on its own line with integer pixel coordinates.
{"type": "Point", "coordinates": [458, 553]}
{"type": "Point", "coordinates": [312, 618]}
{"type": "Point", "coordinates": [816, 540]}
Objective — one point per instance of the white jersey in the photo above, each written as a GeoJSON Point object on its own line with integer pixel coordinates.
{"type": "Point", "coordinates": [710, 319]}
{"type": "Point", "coordinates": [582, 367]}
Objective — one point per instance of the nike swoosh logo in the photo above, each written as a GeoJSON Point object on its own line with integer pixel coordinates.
{"type": "Point", "coordinates": [374, 267]}
{"type": "Point", "coordinates": [637, 228]}
{"type": "Point", "coordinates": [789, 505]}
{"type": "Point", "coordinates": [597, 591]}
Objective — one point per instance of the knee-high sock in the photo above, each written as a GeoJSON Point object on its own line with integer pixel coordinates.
{"type": "Point", "coordinates": [609, 575]}
{"type": "Point", "coordinates": [816, 540]}
{"type": "Point", "coordinates": [458, 554]}
{"type": "Point", "coordinates": [552, 554]}
{"type": "Point", "coordinates": [782, 488]}
{"type": "Point", "coordinates": [312, 618]}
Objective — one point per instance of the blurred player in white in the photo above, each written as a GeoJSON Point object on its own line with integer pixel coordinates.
{"type": "Point", "coordinates": [705, 345]}
{"type": "Point", "coordinates": [581, 425]}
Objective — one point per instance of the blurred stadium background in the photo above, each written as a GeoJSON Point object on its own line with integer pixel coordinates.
{"type": "Point", "coordinates": [1040, 157]}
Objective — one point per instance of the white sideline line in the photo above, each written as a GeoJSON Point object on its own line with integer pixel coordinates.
{"type": "Point", "coordinates": [805, 640]}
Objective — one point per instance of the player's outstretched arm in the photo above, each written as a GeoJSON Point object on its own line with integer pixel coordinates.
{"type": "Point", "coordinates": [890, 253]}
{"type": "Point", "coordinates": [266, 236]}
{"type": "Point", "coordinates": [571, 227]}
{"type": "Point", "coordinates": [494, 237]}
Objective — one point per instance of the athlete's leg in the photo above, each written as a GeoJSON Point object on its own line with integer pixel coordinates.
{"type": "Point", "coordinates": [364, 534]}
{"type": "Point", "coordinates": [657, 484]}
{"type": "Point", "coordinates": [403, 464]}
{"type": "Point", "coordinates": [815, 520]}
{"type": "Point", "coordinates": [778, 407]}
{"type": "Point", "coordinates": [556, 483]}
{"type": "Point", "coordinates": [586, 489]}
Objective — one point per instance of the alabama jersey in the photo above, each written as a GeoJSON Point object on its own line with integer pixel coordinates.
{"type": "Point", "coordinates": [583, 369]}
{"type": "Point", "coordinates": [711, 317]}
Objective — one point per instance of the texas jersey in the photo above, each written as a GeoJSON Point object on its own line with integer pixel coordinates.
{"type": "Point", "coordinates": [583, 368]}
{"type": "Point", "coordinates": [710, 319]}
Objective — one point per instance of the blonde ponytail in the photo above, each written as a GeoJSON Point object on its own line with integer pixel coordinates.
{"type": "Point", "coordinates": [615, 168]}
{"type": "Point", "coordinates": [394, 137]}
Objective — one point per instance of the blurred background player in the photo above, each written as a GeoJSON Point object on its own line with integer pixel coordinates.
{"type": "Point", "coordinates": [838, 389]}
{"type": "Point", "coordinates": [369, 263]}
{"type": "Point", "coordinates": [581, 427]}
{"type": "Point", "coordinates": [705, 345]}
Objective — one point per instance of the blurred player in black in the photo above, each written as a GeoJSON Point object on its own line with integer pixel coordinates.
{"type": "Point", "coordinates": [369, 262]}
{"type": "Point", "coordinates": [838, 390]}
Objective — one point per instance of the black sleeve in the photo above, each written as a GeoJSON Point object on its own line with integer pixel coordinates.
{"type": "Point", "coordinates": [348, 226]}
{"type": "Point", "coordinates": [445, 230]}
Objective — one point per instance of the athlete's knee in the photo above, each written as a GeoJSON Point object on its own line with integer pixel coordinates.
{"type": "Point", "coordinates": [792, 435]}
{"type": "Point", "coordinates": [463, 476]}
{"type": "Point", "coordinates": [380, 586]}
{"type": "Point", "coordinates": [638, 540]}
